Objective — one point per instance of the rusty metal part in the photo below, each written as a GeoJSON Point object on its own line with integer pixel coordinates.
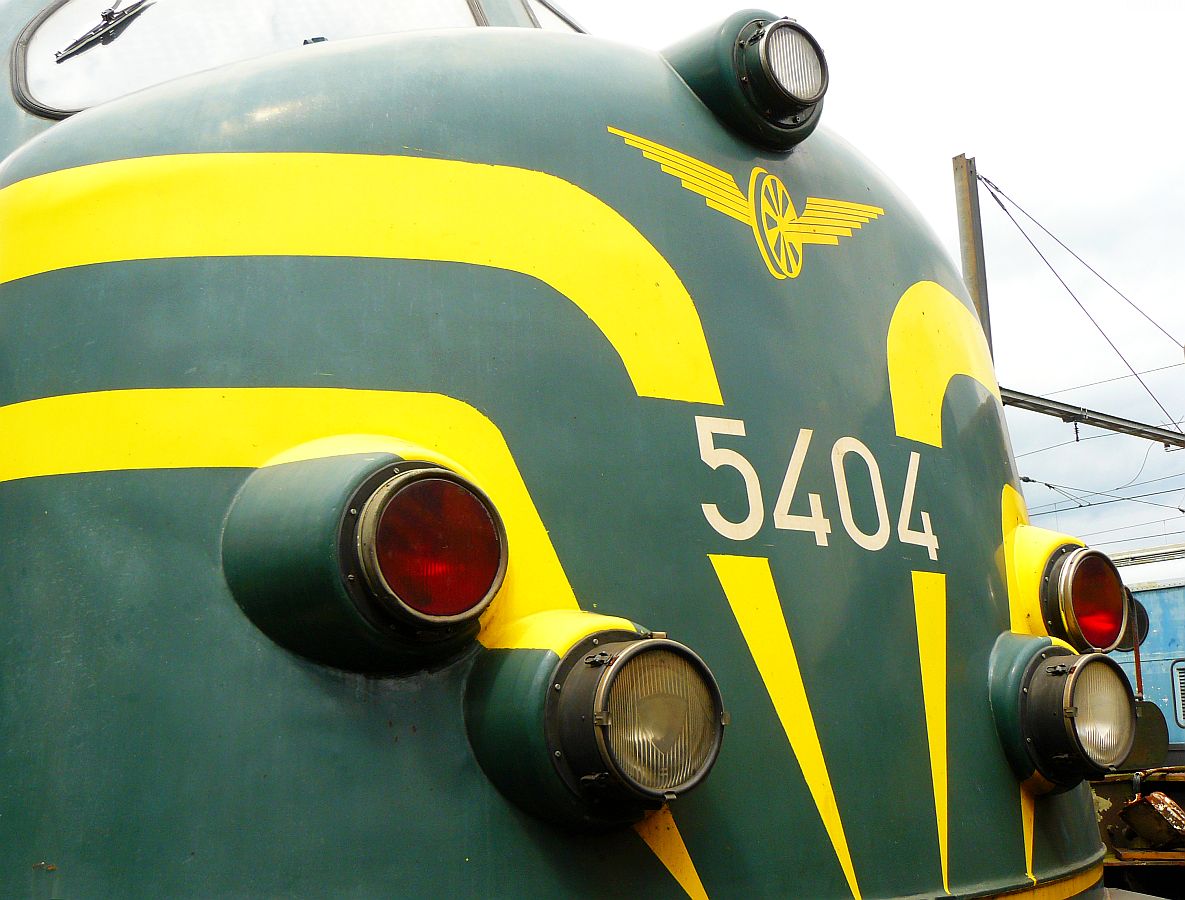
{"type": "Point", "coordinates": [1157, 819]}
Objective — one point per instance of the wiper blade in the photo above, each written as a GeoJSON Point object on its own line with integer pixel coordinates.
{"type": "Point", "coordinates": [110, 20]}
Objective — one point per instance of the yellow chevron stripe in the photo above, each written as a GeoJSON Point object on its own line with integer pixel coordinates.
{"type": "Point", "coordinates": [932, 338]}
{"type": "Point", "coordinates": [395, 207]}
{"type": "Point", "coordinates": [749, 586]}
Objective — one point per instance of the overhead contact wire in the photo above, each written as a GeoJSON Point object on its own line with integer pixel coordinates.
{"type": "Point", "coordinates": [1037, 250]}
{"type": "Point", "coordinates": [993, 187]}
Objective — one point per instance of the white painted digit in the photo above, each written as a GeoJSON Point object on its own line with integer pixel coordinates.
{"type": "Point", "coordinates": [816, 523]}
{"type": "Point", "coordinates": [880, 537]}
{"type": "Point", "coordinates": [706, 428]}
{"type": "Point", "coordinates": [926, 537]}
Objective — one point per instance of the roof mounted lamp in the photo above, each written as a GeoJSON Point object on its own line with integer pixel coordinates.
{"type": "Point", "coordinates": [763, 76]}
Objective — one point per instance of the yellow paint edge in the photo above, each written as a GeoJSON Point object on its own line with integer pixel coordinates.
{"type": "Point", "coordinates": [1061, 889]}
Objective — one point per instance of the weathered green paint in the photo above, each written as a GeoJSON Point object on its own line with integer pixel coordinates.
{"type": "Point", "coordinates": [156, 743]}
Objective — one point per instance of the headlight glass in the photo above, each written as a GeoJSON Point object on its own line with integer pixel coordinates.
{"type": "Point", "coordinates": [663, 721]}
{"type": "Point", "coordinates": [1104, 722]}
{"type": "Point", "coordinates": [795, 63]}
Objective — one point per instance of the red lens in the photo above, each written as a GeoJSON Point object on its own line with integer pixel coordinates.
{"type": "Point", "coordinates": [1096, 593]}
{"type": "Point", "coordinates": [438, 547]}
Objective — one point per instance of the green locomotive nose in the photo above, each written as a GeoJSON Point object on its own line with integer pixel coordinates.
{"type": "Point", "coordinates": [470, 461]}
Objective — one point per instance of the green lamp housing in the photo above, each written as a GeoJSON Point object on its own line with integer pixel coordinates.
{"type": "Point", "coordinates": [761, 75]}
{"type": "Point", "coordinates": [365, 562]}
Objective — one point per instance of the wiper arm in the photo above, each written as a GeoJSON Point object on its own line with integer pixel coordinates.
{"type": "Point", "coordinates": [110, 19]}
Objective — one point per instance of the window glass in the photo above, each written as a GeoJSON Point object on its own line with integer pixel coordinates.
{"type": "Point", "coordinates": [159, 40]}
{"type": "Point", "coordinates": [547, 18]}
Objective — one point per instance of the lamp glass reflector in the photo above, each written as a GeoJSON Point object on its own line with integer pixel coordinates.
{"type": "Point", "coordinates": [795, 63]}
{"type": "Point", "coordinates": [1105, 723]}
{"type": "Point", "coordinates": [662, 720]}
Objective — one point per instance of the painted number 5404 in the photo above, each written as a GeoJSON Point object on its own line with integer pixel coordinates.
{"type": "Point", "coordinates": [813, 520]}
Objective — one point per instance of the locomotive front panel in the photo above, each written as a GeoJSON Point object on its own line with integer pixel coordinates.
{"type": "Point", "coordinates": [431, 455]}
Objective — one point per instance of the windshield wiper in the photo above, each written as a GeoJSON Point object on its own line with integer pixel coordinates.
{"type": "Point", "coordinates": [110, 21]}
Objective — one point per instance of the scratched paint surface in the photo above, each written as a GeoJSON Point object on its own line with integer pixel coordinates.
{"type": "Point", "coordinates": [150, 686]}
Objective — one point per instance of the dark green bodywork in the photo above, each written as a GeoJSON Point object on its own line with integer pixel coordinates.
{"type": "Point", "coordinates": [155, 743]}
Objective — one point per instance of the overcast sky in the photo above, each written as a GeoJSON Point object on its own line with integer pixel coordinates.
{"type": "Point", "coordinates": [1074, 110]}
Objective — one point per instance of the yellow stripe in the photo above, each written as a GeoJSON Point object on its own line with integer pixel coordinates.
{"type": "Point", "coordinates": [743, 217]}
{"type": "Point", "coordinates": [650, 146]}
{"type": "Point", "coordinates": [705, 189]}
{"type": "Point", "coordinates": [251, 427]}
{"type": "Point", "coordinates": [1060, 889]}
{"type": "Point", "coordinates": [558, 630]}
{"type": "Point", "coordinates": [846, 205]}
{"type": "Point", "coordinates": [929, 597]}
{"type": "Point", "coordinates": [686, 167]}
{"type": "Point", "coordinates": [800, 227]}
{"type": "Point", "coordinates": [749, 586]}
{"type": "Point", "coordinates": [398, 207]}
{"type": "Point", "coordinates": [835, 215]}
{"type": "Point", "coordinates": [830, 222]}
{"type": "Point", "coordinates": [661, 835]}
{"type": "Point", "coordinates": [807, 237]}
{"type": "Point", "coordinates": [932, 338]}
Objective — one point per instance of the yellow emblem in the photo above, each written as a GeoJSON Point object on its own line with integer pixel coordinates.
{"type": "Point", "coordinates": [779, 230]}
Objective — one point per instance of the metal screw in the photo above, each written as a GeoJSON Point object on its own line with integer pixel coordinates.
{"type": "Point", "coordinates": [353, 512]}
{"type": "Point", "coordinates": [351, 577]}
{"type": "Point", "coordinates": [596, 642]}
{"type": "Point", "coordinates": [556, 686]}
{"type": "Point", "coordinates": [557, 754]}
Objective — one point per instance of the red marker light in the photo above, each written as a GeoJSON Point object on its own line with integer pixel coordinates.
{"type": "Point", "coordinates": [1083, 600]}
{"type": "Point", "coordinates": [1096, 593]}
{"type": "Point", "coordinates": [433, 544]}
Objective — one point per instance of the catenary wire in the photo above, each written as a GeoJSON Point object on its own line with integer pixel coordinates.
{"type": "Point", "coordinates": [1089, 384]}
{"type": "Point", "coordinates": [1160, 521]}
{"type": "Point", "coordinates": [993, 187]}
{"type": "Point", "coordinates": [1125, 540]}
{"type": "Point", "coordinates": [992, 193]}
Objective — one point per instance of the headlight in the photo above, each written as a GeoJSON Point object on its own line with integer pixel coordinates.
{"type": "Point", "coordinates": [763, 77]}
{"type": "Point", "coordinates": [786, 67]}
{"type": "Point", "coordinates": [1077, 715]}
{"type": "Point", "coordinates": [644, 717]}
{"type": "Point", "coordinates": [609, 722]}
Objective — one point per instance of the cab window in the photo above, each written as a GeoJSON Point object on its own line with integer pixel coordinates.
{"type": "Point", "coordinates": [80, 53]}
